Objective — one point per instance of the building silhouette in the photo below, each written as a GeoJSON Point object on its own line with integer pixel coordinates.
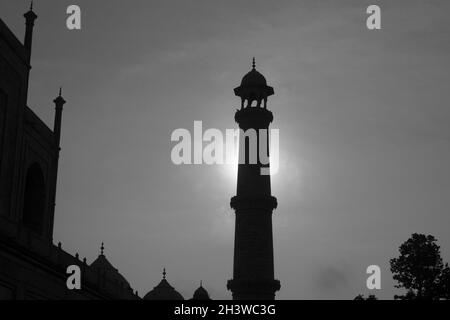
{"type": "Point", "coordinates": [201, 293]}
{"type": "Point", "coordinates": [163, 291]}
{"type": "Point", "coordinates": [33, 267]}
{"type": "Point", "coordinates": [253, 270]}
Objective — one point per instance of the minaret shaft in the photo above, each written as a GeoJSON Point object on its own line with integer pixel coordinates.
{"type": "Point", "coordinates": [253, 270]}
{"type": "Point", "coordinates": [59, 104]}
{"type": "Point", "coordinates": [30, 17]}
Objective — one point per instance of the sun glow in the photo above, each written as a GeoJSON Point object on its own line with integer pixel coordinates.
{"type": "Point", "coordinates": [230, 168]}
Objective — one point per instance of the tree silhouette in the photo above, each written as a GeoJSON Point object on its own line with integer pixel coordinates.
{"type": "Point", "coordinates": [419, 269]}
{"type": "Point", "coordinates": [445, 283]}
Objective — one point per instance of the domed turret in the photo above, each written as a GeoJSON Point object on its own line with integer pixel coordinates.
{"type": "Point", "coordinates": [163, 291]}
{"type": "Point", "coordinates": [103, 266]}
{"type": "Point", "coordinates": [253, 88]}
{"type": "Point", "coordinates": [253, 78]}
{"type": "Point", "coordinates": [201, 293]}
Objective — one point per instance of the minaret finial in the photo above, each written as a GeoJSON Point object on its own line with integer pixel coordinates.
{"type": "Point", "coordinates": [60, 91]}
{"type": "Point", "coordinates": [102, 249]}
{"type": "Point", "coordinates": [31, 5]}
{"type": "Point", "coordinates": [201, 283]}
{"type": "Point", "coordinates": [253, 63]}
{"type": "Point", "coordinates": [164, 273]}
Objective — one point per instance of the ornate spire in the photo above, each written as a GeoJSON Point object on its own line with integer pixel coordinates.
{"type": "Point", "coordinates": [102, 249]}
{"type": "Point", "coordinates": [253, 64]}
{"type": "Point", "coordinates": [30, 17]}
{"type": "Point", "coordinates": [59, 104]}
{"type": "Point", "coordinates": [59, 100]}
{"type": "Point", "coordinates": [30, 13]}
{"type": "Point", "coordinates": [164, 273]}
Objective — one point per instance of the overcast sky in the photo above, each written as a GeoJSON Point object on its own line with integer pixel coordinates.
{"type": "Point", "coordinates": [364, 132]}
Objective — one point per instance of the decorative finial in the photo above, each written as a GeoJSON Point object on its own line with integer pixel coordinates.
{"type": "Point", "coordinates": [164, 273]}
{"type": "Point", "coordinates": [102, 249]}
{"type": "Point", "coordinates": [201, 283]}
{"type": "Point", "coordinates": [253, 63]}
{"type": "Point", "coordinates": [60, 91]}
{"type": "Point", "coordinates": [31, 5]}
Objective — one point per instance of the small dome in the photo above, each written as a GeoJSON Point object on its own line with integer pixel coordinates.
{"type": "Point", "coordinates": [253, 87]}
{"type": "Point", "coordinates": [163, 291]}
{"type": "Point", "coordinates": [102, 264]}
{"type": "Point", "coordinates": [253, 79]}
{"type": "Point", "coordinates": [201, 294]}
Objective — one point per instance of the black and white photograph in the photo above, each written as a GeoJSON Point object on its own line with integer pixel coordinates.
{"type": "Point", "coordinates": [241, 153]}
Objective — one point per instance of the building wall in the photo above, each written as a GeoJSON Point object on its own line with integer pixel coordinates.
{"type": "Point", "coordinates": [31, 266]}
{"type": "Point", "coordinates": [13, 92]}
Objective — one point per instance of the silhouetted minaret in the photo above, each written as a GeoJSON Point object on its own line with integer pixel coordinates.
{"type": "Point", "coordinates": [30, 16]}
{"type": "Point", "coordinates": [59, 104]}
{"type": "Point", "coordinates": [253, 271]}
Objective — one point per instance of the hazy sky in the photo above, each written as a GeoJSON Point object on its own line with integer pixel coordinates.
{"type": "Point", "coordinates": [364, 132]}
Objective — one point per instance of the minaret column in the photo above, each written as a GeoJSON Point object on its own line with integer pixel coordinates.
{"type": "Point", "coordinates": [30, 17]}
{"type": "Point", "coordinates": [253, 269]}
{"type": "Point", "coordinates": [59, 104]}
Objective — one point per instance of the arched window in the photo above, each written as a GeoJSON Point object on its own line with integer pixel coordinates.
{"type": "Point", "coordinates": [34, 199]}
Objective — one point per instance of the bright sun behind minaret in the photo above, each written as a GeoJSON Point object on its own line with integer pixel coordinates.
{"type": "Point", "coordinates": [229, 170]}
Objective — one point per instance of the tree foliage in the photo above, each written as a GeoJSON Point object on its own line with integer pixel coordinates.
{"type": "Point", "coordinates": [419, 269]}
